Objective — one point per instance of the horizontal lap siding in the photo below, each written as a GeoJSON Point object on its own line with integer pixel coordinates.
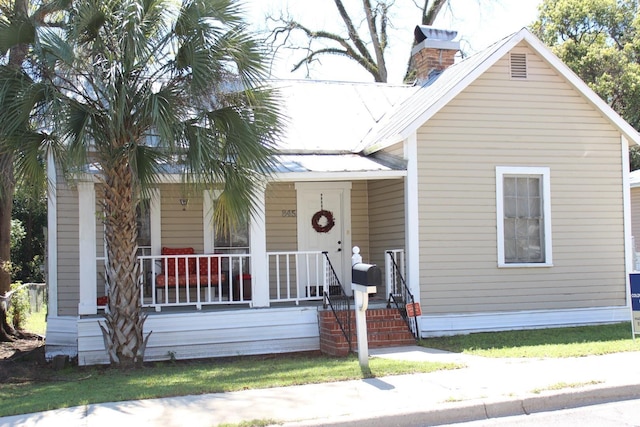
{"type": "Point", "coordinates": [181, 228]}
{"type": "Point", "coordinates": [281, 228]}
{"type": "Point", "coordinates": [67, 247]}
{"type": "Point", "coordinates": [497, 121]}
{"type": "Point", "coordinates": [360, 217]}
{"type": "Point", "coordinates": [387, 219]}
{"type": "Point", "coordinates": [635, 216]}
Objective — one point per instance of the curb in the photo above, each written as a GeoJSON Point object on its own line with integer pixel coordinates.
{"type": "Point", "coordinates": [460, 412]}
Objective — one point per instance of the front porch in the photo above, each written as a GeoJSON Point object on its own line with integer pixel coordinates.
{"type": "Point", "coordinates": [201, 320]}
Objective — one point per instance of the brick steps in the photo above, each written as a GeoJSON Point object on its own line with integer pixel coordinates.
{"type": "Point", "coordinates": [385, 328]}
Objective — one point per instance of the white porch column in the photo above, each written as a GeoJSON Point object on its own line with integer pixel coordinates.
{"type": "Point", "coordinates": [258, 244]}
{"type": "Point", "coordinates": [155, 221]}
{"type": "Point", "coordinates": [207, 215]}
{"type": "Point", "coordinates": [52, 236]}
{"type": "Point", "coordinates": [87, 246]}
{"type": "Point", "coordinates": [412, 218]}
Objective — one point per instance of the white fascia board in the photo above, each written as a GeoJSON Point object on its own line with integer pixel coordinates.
{"type": "Point", "coordinates": [581, 86]}
{"type": "Point", "coordinates": [413, 127]}
{"type": "Point", "coordinates": [547, 55]}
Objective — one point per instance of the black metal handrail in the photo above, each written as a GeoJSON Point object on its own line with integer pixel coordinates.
{"type": "Point", "coordinates": [336, 298]}
{"type": "Point", "coordinates": [401, 297]}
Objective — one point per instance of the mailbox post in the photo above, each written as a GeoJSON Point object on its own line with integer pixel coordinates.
{"type": "Point", "coordinates": [365, 280]}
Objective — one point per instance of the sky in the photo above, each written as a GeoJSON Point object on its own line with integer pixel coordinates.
{"type": "Point", "coordinates": [479, 23]}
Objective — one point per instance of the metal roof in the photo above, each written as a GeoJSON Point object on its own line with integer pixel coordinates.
{"type": "Point", "coordinates": [334, 163]}
{"type": "Point", "coordinates": [324, 116]}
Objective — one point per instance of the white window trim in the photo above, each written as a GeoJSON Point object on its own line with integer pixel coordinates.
{"type": "Point", "coordinates": [545, 173]}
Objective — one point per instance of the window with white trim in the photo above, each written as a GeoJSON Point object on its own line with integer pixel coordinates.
{"type": "Point", "coordinates": [523, 216]}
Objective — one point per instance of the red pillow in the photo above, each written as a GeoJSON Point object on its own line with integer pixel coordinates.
{"type": "Point", "coordinates": [170, 263]}
{"type": "Point", "coordinates": [205, 261]}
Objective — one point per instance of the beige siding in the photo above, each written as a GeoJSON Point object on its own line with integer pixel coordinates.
{"type": "Point", "coordinates": [635, 216]}
{"type": "Point", "coordinates": [281, 229]}
{"type": "Point", "coordinates": [396, 150]}
{"type": "Point", "coordinates": [181, 226]}
{"type": "Point", "coordinates": [360, 219]}
{"type": "Point", "coordinates": [386, 218]}
{"type": "Point", "coordinates": [502, 122]}
{"type": "Point", "coordinates": [67, 247]}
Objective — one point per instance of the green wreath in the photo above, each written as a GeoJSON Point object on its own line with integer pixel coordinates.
{"type": "Point", "coordinates": [315, 221]}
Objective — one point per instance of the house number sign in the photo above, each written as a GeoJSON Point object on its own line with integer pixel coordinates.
{"type": "Point", "coordinates": [289, 213]}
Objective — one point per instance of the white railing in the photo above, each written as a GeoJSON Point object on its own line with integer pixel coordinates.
{"type": "Point", "coordinates": [297, 276]}
{"type": "Point", "coordinates": [221, 279]}
{"type": "Point", "coordinates": [195, 280]}
{"type": "Point", "coordinates": [392, 278]}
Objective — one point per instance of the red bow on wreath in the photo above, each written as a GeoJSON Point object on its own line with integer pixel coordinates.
{"type": "Point", "coordinates": [328, 222]}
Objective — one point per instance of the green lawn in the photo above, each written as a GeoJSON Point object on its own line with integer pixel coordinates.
{"type": "Point", "coordinates": [76, 386]}
{"type": "Point", "coordinates": [552, 342]}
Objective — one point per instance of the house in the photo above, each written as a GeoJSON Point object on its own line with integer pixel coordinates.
{"type": "Point", "coordinates": [634, 184]}
{"type": "Point", "coordinates": [497, 188]}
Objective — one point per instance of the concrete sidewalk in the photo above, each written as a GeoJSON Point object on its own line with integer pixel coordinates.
{"type": "Point", "coordinates": [484, 388]}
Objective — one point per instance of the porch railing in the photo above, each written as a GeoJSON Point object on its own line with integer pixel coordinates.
{"type": "Point", "coordinates": [220, 279]}
{"type": "Point", "coordinates": [397, 289]}
{"type": "Point", "coordinates": [297, 276]}
{"type": "Point", "coordinates": [337, 299]}
{"type": "Point", "coordinates": [194, 280]}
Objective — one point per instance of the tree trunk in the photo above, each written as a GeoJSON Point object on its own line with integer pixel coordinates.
{"type": "Point", "coordinates": [7, 186]}
{"type": "Point", "coordinates": [124, 318]}
{"type": "Point", "coordinates": [17, 54]}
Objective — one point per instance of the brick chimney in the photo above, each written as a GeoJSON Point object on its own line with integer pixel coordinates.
{"type": "Point", "coordinates": [433, 50]}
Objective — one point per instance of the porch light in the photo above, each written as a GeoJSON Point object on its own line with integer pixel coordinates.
{"type": "Point", "coordinates": [183, 203]}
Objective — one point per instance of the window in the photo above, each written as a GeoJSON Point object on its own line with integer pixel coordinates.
{"type": "Point", "coordinates": [523, 216]}
{"type": "Point", "coordinates": [235, 241]}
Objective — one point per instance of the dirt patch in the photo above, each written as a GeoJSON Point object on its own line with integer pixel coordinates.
{"type": "Point", "coordinates": [23, 360]}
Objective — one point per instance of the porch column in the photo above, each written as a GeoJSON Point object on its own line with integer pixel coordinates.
{"type": "Point", "coordinates": [412, 226]}
{"type": "Point", "coordinates": [87, 247]}
{"type": "Point", "coordinates": [258, 245]}
{"type": "Point", "coordinates": [52, 236]}
{"type": "Point", "coordinates": [155, 221]}
{"type": "Point", "coordinates": [207, 215]}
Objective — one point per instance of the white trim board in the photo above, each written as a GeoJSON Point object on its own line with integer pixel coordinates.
{"type": "Point", "coordinates": [459, 324]}
{"type": "Point", "coordinates": [202, 334]}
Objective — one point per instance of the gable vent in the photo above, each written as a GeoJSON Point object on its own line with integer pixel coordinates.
{"type": "Point", "coordinates": [518, 65]}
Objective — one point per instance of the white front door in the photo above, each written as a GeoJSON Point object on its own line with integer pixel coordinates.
{"type": "Point", "coordinates": [319, 203]}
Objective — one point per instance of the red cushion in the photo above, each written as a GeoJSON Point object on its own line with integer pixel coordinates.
{"type": "Point", "coordinates": [171, 263]}
{"type": "Point", "coordinates": [193, 280]}
{"type": "Point", "coordinates": [205, 261]}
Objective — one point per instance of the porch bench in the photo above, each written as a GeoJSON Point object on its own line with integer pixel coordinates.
{"type": "Point", "coordinates": [174, 270]}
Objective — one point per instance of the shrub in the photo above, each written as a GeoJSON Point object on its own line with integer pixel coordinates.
{"type": "Point", "coordinates": [19, 307]}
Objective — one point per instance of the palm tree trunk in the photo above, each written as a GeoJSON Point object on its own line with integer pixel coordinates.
{"type": "Point", "coordinates": [7, 186]}
{"type": "Point", "coordinates": [124, 319]}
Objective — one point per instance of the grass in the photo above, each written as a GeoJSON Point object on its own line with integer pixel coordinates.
{"type": "Point", "coordinates": [78, 386]}
{"type": "Point", "coordinates": [37, 322]}
{"type": "Point", "coordinates": [552, 342]}
{"type": "Point", "coordinates": [563, 385]}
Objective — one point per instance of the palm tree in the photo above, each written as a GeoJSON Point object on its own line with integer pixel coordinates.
{"type": "Point", "coordinates": [134, 88]}
{"type": "Point", "coordinates": [18, 22]}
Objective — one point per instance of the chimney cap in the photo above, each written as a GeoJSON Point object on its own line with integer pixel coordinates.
{"type": "Point", "coordinates": [422, 32]}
